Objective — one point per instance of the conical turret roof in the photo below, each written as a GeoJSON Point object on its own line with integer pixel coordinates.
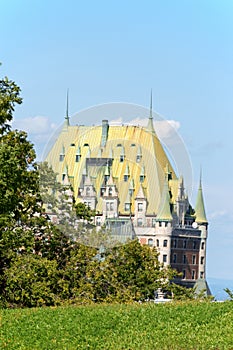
{"type": "Point", "coordinates": [200, 207]}
{"type": "Point", "coordinates": [164, 212]}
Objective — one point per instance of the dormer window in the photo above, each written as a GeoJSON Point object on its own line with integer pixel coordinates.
{"type": "Point", "coordinates": [142, 177]}
{"type": "Point", "coordinates": [122, 157]}
{"type": "Point", "coordinates": [110, 191]}
{"type": "Point", "coordinates": [77, 158]}
{"type": "Point", "coordinates": [126, 178]}
{"type": "Point", "coordinates": [138, 158]}
{"type": "Point", "coordinates": [61, 157]}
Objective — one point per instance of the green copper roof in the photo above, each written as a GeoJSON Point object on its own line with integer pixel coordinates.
{"type": "Point", "coordinates": [164, 213]}
{"type": "Point", "coordinates": [200, 207]}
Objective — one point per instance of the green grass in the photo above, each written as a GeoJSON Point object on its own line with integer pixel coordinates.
{"type": "Point", "coordinates": [129, 327]}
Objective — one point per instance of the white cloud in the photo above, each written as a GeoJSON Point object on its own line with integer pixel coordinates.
{"type": "Point", "coordinates": [36, 126]}
{"type": "Point", "coordinates": [164, 128]}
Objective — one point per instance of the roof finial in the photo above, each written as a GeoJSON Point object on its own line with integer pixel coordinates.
{"type": "Point", "coordinates": [67, 118]}
{"type": "Point", "coordinates": [150, 125]}
{"type": "Point", "coordinates": [200, 180]}
{"type": "Point", "coordinates": [151, 111]}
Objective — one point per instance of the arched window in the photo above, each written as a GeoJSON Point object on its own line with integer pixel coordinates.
{"type": "Point", "coordinates": [150, 242]}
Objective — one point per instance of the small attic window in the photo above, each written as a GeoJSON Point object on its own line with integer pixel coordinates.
{"type": "Point", "coordinates": [72, 144]}
{"type": "Point", "coordinates": [133, 145]}
{"type": "Point", "coordinates": [119, 145]}
{"type": "Point", "coordinates": [86, 145]}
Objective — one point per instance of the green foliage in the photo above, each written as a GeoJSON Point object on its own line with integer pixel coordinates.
{"type": "Point", "coordinates": [19, 185]}
{"type": "Point", "coordinates": [31, 281]}
{"type": "Point", "coordinates": [176, 326]}
{"type": "Point", "coordinates": [83, 212]}
{"type": "Point", "coordinates": [9, 96]}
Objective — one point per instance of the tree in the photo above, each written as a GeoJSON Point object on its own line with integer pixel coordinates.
{"type": "Point", "coordinates": [9, 97]}
{"type": "Point", "coordinates": [18, 174]}
{"type": "Point", "coordinates": [84, 212]}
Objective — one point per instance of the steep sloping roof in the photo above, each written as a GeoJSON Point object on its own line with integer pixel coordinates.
{"type": "Point", "coordinates": [200, 207]}
{"type": "Point", "coordinates": [164, 213]}
{"type": "Point", "coordinates": [152, 162]}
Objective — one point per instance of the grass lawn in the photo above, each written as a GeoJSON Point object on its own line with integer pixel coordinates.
{"type": "Point", "coordinates": [129, 327]}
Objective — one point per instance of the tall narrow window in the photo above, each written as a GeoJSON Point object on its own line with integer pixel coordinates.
{"type": "Point", "coordinates": [165, 243]}
{"type": "Point", "coordinates": [164, 258]}
{"type": "Point", "coordinates": [88, 191]}
{"type": "Point", "coordinates": [183, 274]}
{"type": "Point", "coordinates": [174, 258]}
{"type": "Point", "coordinates": [202, 260]}
{"type": "Point", "coordinates": [174, 243]}
{"type": "Point", "coordinates": [194, 259]}
{"type": "Point", "coordinates": [157, 242]}
{"type": "Point", "coordinates": [110, 191]}
{"type": "Point", "coordinates": [193, 274]}
{"type": "Point", "coordinates": [184, 244]}
{"type": "Point", "coordinates": [202, 245]}
{"type": "Point", "coordinates": [184, 259]}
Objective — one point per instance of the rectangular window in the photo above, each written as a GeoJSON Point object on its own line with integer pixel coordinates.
{"type": "Point", "coordinates": [98, 221]}
{"type": "Point", "coordinates": [202, 245]}
{"type": "Point", "coordinates": [193, 274]}
{"type": "Point", "coordinates": [165, 243]}
{"type": "Point", "coordinates": [202, 274]}
{"type": "Point", "coordinates": [121, 158]}
{"type": "Point", "coordinates": [153, 222]}
{"type": "Point", "coordinates": [194, 259]}
{"type": "Point", "coordinates": [194, 244]}
{"type": "Point", "coordinates": [77, 158]}
{"type": "Point", "coordinates": [111, 206]}
{"type": "Point", "coordinates": [184, 244]}
{"type": "Point", "coordinates": [157, 242]}
{"type": "Point", "coordinates": [174, 258]}
{"type": "Point", "coordinates": [108, 206]}
{"type": "Point", "coordinates": [184, 259]}
{"type": "Point", "coordinates": [183, 274]}
{"type": "Point", "coordinates": [174, 243]}
{"type": "Point", "coordinates": [140, 206]}
{"type": "Point", "coordinates": [164, 258]}
{"type": "Point", "coordinates": [127, 206]}
{"type": "Point", "coordinates": [202, 260]}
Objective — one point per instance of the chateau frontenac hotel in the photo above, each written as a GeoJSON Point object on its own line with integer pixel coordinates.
{"type": "Point", "coordinates": [124, 174]}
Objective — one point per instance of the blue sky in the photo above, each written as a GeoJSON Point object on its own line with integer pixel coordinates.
{"type": "Point", "coordinates": [116, 51]}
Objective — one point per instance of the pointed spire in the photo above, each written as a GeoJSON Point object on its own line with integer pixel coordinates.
{"type": "Point", "coordinates": [140, 194]}
{"type": "Point", "coordinates": [87, 181]}
{"type": "Point", "coordinates": [127, 170]}
{"type": "Point", "coordinates": [150, 125]}
{"type": "Point", "coordinates": [110, 181]}
{"type": "Point", "coordinates": [200, 207]}
{"type": "Point", "coordinates": [164, 212]}
{"type": "Point", "coordinates": [67, 118]}
{"type": "Point", "coordinates": [107, 171]}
